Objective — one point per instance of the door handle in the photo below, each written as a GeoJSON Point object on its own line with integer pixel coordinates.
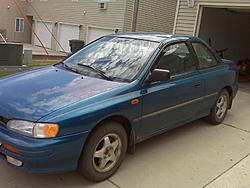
{"type": "Point", "coordinates": [197, 84]}
{"type": "Point", "coordinates": [144, 91]}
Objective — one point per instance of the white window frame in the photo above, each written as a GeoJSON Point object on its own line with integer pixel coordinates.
{"type": "Point", "coordinates": [20, 29]}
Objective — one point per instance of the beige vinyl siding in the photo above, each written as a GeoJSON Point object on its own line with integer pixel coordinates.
{"type": "Point", "coordinates": [156, 16]}
{"type": "Point", "coordinates": [7, 21]}
{"type": "Point", "coordinates": [128, 16]}
{"type": "Point", "coordinates": [72, 12]}
{"type": "Point", "coordinates": [187, 17]}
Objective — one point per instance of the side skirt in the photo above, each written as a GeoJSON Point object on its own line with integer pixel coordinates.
{"type": "Point", "coordinates": [168, 128]}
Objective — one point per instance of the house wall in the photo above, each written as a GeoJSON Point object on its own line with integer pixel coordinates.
{"type": "Point", "coordinates": [156, 16]}
{"type": "Point", "coordinates": [128, 16]}
{"type": "Point", "coordinates": [84, 13]}
{"type": "Point", "coordinates": [7, 22]}
{"type": "Point", "coordinates": [185, 23]}
{"type": "Point", "coordinates": [153, 16]}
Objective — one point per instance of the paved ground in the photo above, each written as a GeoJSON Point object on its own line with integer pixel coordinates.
{"type": "Point", "coordinates": [13, 68]}
{"type": "Point", "coordinates": [196, 155]}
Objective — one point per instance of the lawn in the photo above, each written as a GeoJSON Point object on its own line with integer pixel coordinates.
{"type": "Point", "coordinates": [35, 64]}
{"type": "Point", "coordinates": [42, 63]}
{"type": "Point", "coordinates": [7, 73]}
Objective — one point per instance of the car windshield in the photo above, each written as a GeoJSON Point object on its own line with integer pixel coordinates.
{"type": "Point", "coordinates": [113, 57]}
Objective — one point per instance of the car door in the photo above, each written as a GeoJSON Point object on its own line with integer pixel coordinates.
{"type": "Point", "coordinates": [212, 72]}
{"type": "Point", "coordinates": [170, 103]}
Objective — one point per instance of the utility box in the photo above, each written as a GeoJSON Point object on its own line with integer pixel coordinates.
{"type": "Point", "coordinates": [11, 54]}
{"type": "Point", "coordinates": [27, 57]}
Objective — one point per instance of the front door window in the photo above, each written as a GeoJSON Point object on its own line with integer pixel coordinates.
{"type": "Point", "coordinates": [177, 59]}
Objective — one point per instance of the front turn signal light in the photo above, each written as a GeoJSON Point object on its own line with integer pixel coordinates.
{"type": "Point", "coordinates": [51, 130]}
{"type": "Point", "coordinates": [46, 130]}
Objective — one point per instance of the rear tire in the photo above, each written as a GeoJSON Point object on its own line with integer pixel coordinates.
{"type": "Point", "coordinates": [103, 152]}
{"type": "Point", "coordinates": [220, 108]}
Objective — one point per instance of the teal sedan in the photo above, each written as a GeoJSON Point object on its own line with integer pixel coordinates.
{"type": "Point", "coordinates": [88, 111]}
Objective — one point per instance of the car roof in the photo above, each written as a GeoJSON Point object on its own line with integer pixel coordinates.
{"type": "Point", "coordinates": [155, 37]}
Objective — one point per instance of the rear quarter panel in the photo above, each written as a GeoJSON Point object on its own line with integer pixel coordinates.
{"type": "Point", "coordinates": [216, 79]}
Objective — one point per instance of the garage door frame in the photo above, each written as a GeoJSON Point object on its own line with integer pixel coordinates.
{"type": "Point", "coordinates": [36, 29]}
{"type": "Point", "coordinates": [58, 48]}
{"type": "Point", "coordinates": [201, 6]}
{"type": "Point", "coordinates": [95, 27]}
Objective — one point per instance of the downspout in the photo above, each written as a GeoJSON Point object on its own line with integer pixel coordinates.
{"type": "Point", "coordinates": [135, 15]}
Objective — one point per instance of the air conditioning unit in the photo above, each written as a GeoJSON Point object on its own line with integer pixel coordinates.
{"type": "Point", "coordinates": [102, 5]}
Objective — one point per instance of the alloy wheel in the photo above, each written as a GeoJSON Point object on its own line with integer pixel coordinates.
{"type": "Point", "coordinates": [221, 106]}
{"type": "Point", "coordinates": [107, 153]}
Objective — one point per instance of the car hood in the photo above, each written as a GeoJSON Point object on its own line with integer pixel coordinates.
{"type": "Point", "coordinates": [33, 95]}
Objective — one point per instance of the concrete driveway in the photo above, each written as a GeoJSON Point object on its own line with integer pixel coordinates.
{"type": "Point", "coordinates": [195, 155]}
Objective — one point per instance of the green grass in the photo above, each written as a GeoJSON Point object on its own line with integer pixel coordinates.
{"type": "Point", "coordinates": [42, 63]}
{"type": "Point", "coordinates": [35, 65]}
{"type": "Point", "coordinates": [7, 73]}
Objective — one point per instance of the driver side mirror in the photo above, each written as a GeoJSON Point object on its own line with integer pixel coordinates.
{"type": "Point", "coordinates": [159, 75]}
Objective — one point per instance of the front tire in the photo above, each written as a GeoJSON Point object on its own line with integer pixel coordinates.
{"type": "Point", "coordinates": [220, 108]}
{"type": "Point", "coordinates": [104, 152]}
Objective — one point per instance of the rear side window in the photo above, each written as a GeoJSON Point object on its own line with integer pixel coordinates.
{"type": "Point", "coordinates": [177, 59]}
{"type": "Point", "coordinates": [205, 57]}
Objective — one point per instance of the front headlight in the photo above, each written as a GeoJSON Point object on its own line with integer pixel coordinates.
{"type": "Point", "coordinates": [35, 130]}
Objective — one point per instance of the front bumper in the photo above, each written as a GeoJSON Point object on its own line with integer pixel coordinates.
{"type": "Point", "coordinates": [43, 155]}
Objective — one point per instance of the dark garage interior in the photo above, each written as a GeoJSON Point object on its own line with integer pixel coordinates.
{"type": "Point", "coordinates": [228, 32]}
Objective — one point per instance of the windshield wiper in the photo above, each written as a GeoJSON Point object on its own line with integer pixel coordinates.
{"type": "Point", "coordinates": [71, 69]}
{"type": "Point", "coordinates": [99, 72]}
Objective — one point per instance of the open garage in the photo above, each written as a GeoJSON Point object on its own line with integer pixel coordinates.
{"type": "Point", "coordinates": [227, 30]}
{"type": "Point", "coordinates": [222, 24]}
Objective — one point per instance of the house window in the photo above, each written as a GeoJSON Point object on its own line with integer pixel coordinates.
{"type": "Point", "coordinates": [102, 5]}
{"type": "Point", "coordinates": [19, 25]}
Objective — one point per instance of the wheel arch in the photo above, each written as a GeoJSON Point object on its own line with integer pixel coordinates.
{"type": "Point", "coordinates": [229, 89]}
{"type": "Point", "coordinates": [126, 125]}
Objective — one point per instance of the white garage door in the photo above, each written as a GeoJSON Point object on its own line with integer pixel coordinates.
{"type": "Point", "coordinates": [66, 33]}
{"type": "Point", "coordinates": [43, 34]}
{"type": "Point", "coordinates": [94, 33]}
